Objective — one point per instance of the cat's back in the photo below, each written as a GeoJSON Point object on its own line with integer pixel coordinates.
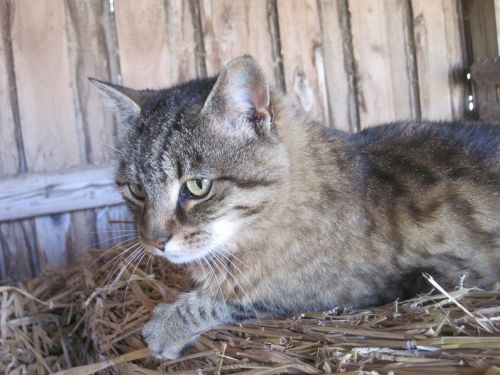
{"type": "Point", "coordinates": [432, 152]}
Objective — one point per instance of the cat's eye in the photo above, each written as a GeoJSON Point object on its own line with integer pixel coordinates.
{"type": "Point", "coordinates": [199, 187]}
{"type": "Point", "coordinates": [137, 191]}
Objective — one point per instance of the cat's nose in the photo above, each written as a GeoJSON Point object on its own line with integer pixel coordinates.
{"type": "Point", "coordinates": [159, 243]}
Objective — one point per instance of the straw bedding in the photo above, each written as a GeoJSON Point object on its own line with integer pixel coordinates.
{"type": "Point", "coordinates": [88, 317]}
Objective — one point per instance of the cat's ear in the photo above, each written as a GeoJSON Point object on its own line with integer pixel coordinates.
{"type": "Point", "coordinates": [241, 96]}
{"type": "Point", "coordinates": [124, 102]}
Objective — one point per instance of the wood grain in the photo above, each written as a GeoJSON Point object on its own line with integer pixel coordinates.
{"type": "Point", "coordinates": [232, 28]}
{"type": "Point", "coordinates": [303, 60]}
{"type": "Point", "coordinates": [46, 107]}
{"type": "Point", "coordinates": [341, 102]}
{"type": "Point", "coordinates": [9, 158]}
{"type": "Point", "coordinates": [156, 42]}
{"type": "Point", "coordinates": [92, 54]}
{"type": "Point", "coordinates": [17, 240]}
{"type": "Point", "coordinates": [44, 193]}
{"type": "Point", "coordinates": [379, 50]}
{"type": "Point", "coordinates": [481, 25]}
{"type": "Point", "coordinates": [114, 227]}
{"type": "Point", "coordinates": [439, 58]}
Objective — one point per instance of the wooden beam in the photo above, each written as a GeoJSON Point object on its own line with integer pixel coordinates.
{"type": "Point", "coordinates": [37, 194]}
{"type": "Point", "coordinates": [486, 72]}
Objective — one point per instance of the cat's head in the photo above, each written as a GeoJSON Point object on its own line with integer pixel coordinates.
{"type": "Point", "coordinates": [201, 163]}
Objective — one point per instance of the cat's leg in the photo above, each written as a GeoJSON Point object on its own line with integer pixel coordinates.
{"type": "Point", "coordinates": [175, 326]}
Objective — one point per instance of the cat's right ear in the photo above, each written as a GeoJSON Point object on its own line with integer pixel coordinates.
{"type": "Point", "coordinates": [124, 102]}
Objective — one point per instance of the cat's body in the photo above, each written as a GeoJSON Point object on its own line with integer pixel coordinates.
{"type": "Point", "coordinates": [300, 217]}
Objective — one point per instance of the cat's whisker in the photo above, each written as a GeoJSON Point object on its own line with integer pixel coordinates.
{"type": "Point", "coordinates": [135, 248]}
{"type": "Point", "coordinates": [216, 279]}
{"type": "Point", "coordinates": [126, 264]}
{"type": "Point", "coordinates": [218, 251]}
{"type": "Point", "coordinates": [144, 252]}
{"type": "Point", "coordinates": [210, 258]}
{"type": "Point", "coordinates": [133, 242]}
{"type": "Point", "coordinates": [148, 262]}
{"type": "Point", "coordinates": [239, 285]}
{"type": "Point", "coordinates": [105, 252]}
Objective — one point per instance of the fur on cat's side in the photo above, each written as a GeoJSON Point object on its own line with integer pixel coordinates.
{"type": "Point", "coordinates": [299, 217]}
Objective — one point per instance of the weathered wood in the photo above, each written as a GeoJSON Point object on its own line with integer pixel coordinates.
{"type": "Point", "coordinates": [342, 106]}
{"type": "Point", "coordinates": [45, 193]}
{"type": "Point", "coordinates": [82, 234]}
{"type": "Point", "coordinates": [233, 28]}
{"type": "Point", "coordinates": [18, 244]}
{"type": "Point", "coordinates": [9, 154]}
{"type": "Point", "coordinates": [114, 226]}
{"type": "Point", "coordinates": [156, 42]}
{"type": "Point", "coordinates": [46, 107]}
{"type": "Point", "coordinates": [439, 58]}
{"type": "Point", "coordinates": [490, 112]}
{"type": "Point", "coordinates": [52, 239]}
{"type": "Point", "coordinates": [497, 22]}
{"type": "Point", "coordinates": [303, 60]}
{"type": "Point", "coordinates": [486, 72]}
{"type": "Point", "coordinates": [480, 23]}
{"type": "Point", "coordinates": [382, 67]}
{"type": "Point", "coordinates": [91, 55]}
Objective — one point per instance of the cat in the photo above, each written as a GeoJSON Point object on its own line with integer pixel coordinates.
{"type": "Point", "coordinates": [276, 214]}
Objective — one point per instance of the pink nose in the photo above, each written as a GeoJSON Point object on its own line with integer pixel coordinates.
{"type": "Point", "coordinates": [159, 243]}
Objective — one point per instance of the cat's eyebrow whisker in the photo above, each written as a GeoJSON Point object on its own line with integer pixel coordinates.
{"type": "Point", "coordinates": [239, 285]}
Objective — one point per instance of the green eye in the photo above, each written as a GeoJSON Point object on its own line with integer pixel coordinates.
{"type": "Point", "coordinates": [137, 191]}
{"type": "Point", "coordinates": [199, 187]}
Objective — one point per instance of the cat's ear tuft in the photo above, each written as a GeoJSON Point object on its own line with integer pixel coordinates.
{"type": "Point", "coordinates": [241, 93]}
{"type": "Point", "coordinates": [124, 102]}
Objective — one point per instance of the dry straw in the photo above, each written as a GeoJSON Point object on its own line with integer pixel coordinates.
{"type": "Point", "coordinates": [88, 318]}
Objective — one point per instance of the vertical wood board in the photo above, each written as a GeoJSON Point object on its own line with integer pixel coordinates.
{"type": "Point", "coordinates": [339, 91]}
{"type": "Point", "coordinates": [379, 50]}
{"type": "Point", "coordinates": [303, 60]}
{"type": "Point", "coordinates": [439, 58]}
{"type": "Point", "coordinates": [8, 149]}
{"type": "Point", "coordinates": [92, 54]}
{"type": "Point", "coordinates": [46, 107]}
{"type": "Point", "coordinates": [156, 42]}
{"type": "Point", "coordinates": [232, 28]}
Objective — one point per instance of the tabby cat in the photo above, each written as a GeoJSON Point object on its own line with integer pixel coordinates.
{"type": "Point", "coordinates": [276, 214]}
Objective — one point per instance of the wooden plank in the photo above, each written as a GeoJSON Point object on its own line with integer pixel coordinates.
{"type": "Point", "coordinates": [51, 239]}
{"type": "Point", "coordinates": [46, 107]}
{"type": "Point", "coordinates": [9, 156]}
{"type": "Point", "coordinates": [18, 243]}
{"type": "Point", "coordinates": [379, 50]}
{"type": "Point", "coordinates": [156, 42]}
{"type": "Point", "coordinates": [490, 112]}
{"type": "Point", "coordinates": [92, 54]}
{"type": "Point", "coordinates": [480, 23]}
{"type": "Point", "coordinates": [44, 193]}
{"type": "Point", "coordinates": [82, 234]}
{"type": "Point", "coordinates": [341, 102]}
{"type": "Point", "coordinates": [497, 23]}
{"type": "Point", "coordinates": [486, 72]}
{"type": "Point", "coordinates": [114, 226]}
{"type": "Point", "coordinates": [303, 60]}
{"type": "Point", "coordinates": [232, 28]}
{"type": "Point", "coordinates": [439, 58]}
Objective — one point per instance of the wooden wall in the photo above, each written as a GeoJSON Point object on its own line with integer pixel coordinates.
{"type": "Point", "coordinates": [350, 63]}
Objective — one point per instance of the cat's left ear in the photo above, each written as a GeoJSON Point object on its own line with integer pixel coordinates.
{"type": "Point", "coordinates": [125, 102]}
{"type": "Point", "coordinates": [241, 97]}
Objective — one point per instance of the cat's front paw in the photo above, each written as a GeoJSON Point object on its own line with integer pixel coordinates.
{"type": "Point", "coordinates": [160, 333]}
